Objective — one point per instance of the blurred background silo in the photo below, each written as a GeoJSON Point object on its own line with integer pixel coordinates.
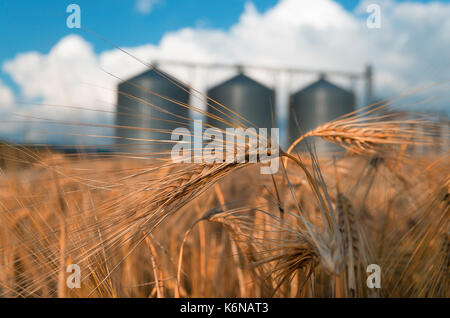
{"type": "Point", "coordinates": [138, 112]}
{"type": "Point", "coordinates": [246, 97]}
{"type": "Point", "coordinates": [314, 105]}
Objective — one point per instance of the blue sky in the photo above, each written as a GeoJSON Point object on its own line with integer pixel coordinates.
{"type": "Point", "coordinates": [37, 25]}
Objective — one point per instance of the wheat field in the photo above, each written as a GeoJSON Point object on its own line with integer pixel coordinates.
{"type": "Point", "coordinates": [140, 227]}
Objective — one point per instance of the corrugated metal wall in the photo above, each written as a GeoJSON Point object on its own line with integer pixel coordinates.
{"type": "Point", "coordinates": [151, 124]}
{"type": "Point", "coordinates": [317, 104]}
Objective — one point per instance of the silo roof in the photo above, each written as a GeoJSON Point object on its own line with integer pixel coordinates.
{"type": "Point", "coordinates": [152, 73]}
{"type": "Point", "coordinates": [240, 79]}
{"type": "Point", "coordinates": [322, 84]}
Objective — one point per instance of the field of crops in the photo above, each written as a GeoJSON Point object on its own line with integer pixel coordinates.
{"type": "Point", "coordinates": [146, 228]}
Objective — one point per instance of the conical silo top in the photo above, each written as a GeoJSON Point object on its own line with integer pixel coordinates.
{"type": "Point", "coordinates": [153, 72]}
{"type": "Point", "coordinates": [322, 84]}
{"type": "Point", "coordinates": [155, 75]}
{"type": "Point", "coordinates": [240, 80]}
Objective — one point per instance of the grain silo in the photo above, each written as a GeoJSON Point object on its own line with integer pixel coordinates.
{"type": "Point", "coordinates": [145, 118]}
{"type": "Point", "coordinates": [317, 104]}
{"type": "Point", "coordinates": [246, 97]}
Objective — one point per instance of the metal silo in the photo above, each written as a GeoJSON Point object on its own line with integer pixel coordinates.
{"type": "Point", "coordinates": [246, 97]}
{"type": "Point", "coordinates": [317, 104]}
{"type": "Point", "coordinates": [142, 116]}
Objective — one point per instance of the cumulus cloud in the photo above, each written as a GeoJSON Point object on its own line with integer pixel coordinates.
{"type": "Point", "coordinates": [409, 50]}
{"type": "Point", "coordinates": [68, 76]}
{"type": "Point", "coordinates": [145, 6]}
{"type": "Point", "coordinates": [6, 107]}
{"type": "Point", "coordinates": [6, 97]}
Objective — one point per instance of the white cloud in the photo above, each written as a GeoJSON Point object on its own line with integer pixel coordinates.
{"type": "Point", "coordinates": [66, 75]}
{"type": "Point", "coordinates": [411, 49]}
{"type": "Point", "coordinates": [69, 75]}
{"type": "Point", "coordinates": [6, 107]}
{"type": "Point", "coordinates": [145, 6]}
{"type": "Point", "coordinates": [6, 97]}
